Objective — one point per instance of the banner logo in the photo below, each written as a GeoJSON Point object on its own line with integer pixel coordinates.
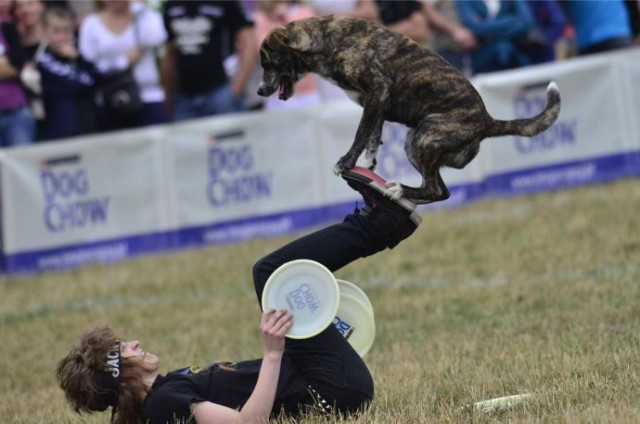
{"type": "Point", "coordinates": [233, 178]}
{"type": "Point", "coordinates": [392, 159]}
{"type": "Point", "coordinates": [531, 100]}
{"type": "Point", "coordinates": [66, 189]}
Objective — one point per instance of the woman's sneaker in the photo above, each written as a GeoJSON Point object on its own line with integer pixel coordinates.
{"type": "Point", "coordinates": [372, 188]}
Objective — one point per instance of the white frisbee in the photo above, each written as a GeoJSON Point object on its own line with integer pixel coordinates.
{"type": "Point", "coordinates": [350, 288]}
{"type": "Point", "coordinates": [501, 403]}
{"type": "Point", "coordinates": [355, 321]}
{"type": "Point", "coordinates": [307, 289]}
{"type": "Point", "coordinates": [498, 404]}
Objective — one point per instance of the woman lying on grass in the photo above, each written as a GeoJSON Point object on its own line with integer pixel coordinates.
{"type": "Point", "coordinates": [294, 376]}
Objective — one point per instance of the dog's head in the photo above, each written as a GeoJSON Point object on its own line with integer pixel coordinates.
{"type": "Point", "coordinates": [281, 61]}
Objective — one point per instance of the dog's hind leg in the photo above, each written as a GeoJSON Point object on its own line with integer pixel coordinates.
{"type": "Point", "coordinates": [425, 147]}
{"type": "Point", "coordinates": [433, 189]}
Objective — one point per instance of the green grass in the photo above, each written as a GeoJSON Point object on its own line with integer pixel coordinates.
{"type": "Point", "coordinates": [537, 294]}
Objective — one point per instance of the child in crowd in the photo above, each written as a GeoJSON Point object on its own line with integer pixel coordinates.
{"type": "Point", "coordinates": [67, 79]}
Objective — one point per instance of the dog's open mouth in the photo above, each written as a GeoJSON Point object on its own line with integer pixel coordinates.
{"type": "Point", "coordinates": [285, 89]}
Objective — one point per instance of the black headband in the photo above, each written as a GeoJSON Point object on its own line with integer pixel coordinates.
{"type": "Point", "coordinates": [109, 379]}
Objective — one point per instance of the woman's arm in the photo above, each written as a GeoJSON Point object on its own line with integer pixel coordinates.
{"type": "Point", "coordinates": [6, 70]}
{"type": "Point", "coordinates": [273, 326]}
{"type": "Point", "coordinates": [11, 63]}
{"type": "Point", "coordinates": [415, 27]}
{"type": "Point", "coordinates": [247, 48]}
{"type": "Point", "coordinates": [463, 37]}
{"type": "Point", "coordinates": [365, 9]}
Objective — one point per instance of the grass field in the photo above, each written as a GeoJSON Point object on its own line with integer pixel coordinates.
{"type": "Point", "coordinates": [536, 294]}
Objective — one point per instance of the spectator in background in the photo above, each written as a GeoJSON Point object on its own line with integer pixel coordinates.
{"type": "Point", "coordinates": [200, 35]}
{"type": "Point", "coordinates": [633, 10]}
{"type": "Point", "coordinates": [449, 38]}
{"type": "Point", "coordinates": [16, 123]}
{"type": "Point", "coordinates": [67, 80]}
{"type": "Point", "coordinates": [361, 9]}
{"type": "Point", "coordinates": [5, 11]}
{"type": "Point", "coordinates": [551, 24]}
{"type": "Point", "coordinates": [405, 17]}
{"type": "Point", "coordinates": [600, 25]}
{"type": "Point", "coordinates": [81, 9]}
{"type": "Point", "coordinates": [121, 35]}
{"type": "Point", "coordinates": [28, 18]}
{"type": "Point", "coordinates": [273, 13]}
{"type": "Point", "coordinates": [499, 25]}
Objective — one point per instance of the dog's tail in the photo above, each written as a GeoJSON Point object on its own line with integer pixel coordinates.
{"type": "Point", "coordinates": [529, 127]}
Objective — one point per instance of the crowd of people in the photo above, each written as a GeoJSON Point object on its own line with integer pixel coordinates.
{"type": "Point", "coordinates": [70, 68]}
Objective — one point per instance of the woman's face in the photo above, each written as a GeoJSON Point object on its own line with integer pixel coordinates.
{"type": "Point", "coordinates": [29, 12]}
{"type": "Point", "coordinates": [133, 349]}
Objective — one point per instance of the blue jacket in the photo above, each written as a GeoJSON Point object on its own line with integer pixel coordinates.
{"type": "Point", "coordinates": [551, 20]}
{"type": "Point", "coordinates": [497, 35]}
{"type": "Point", "coordinates": [67, 92]}
{"type": "Point", "coordinates": [596, 21]}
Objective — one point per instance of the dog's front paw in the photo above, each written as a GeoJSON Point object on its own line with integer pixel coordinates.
{"type": "Point", "coordinates": [394, 190]}
{"type": "Point", "coordinates": [344, 164]}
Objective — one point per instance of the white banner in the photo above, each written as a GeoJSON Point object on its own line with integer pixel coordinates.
{"type": "Point", "coordinates": [586, 144]}
{"type": "Point", "coordinates": [82, 191]}
{"type": "Point", "coordinates": [243, 165]}
{"type": "Point", "coordinates": [587, 88]}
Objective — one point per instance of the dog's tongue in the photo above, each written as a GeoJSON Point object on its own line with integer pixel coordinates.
{"type": "Point", "coordinates": [281, 94]}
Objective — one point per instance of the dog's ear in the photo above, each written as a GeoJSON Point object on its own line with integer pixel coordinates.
{"type": "Point", "coordinates": [300, 39]}
{"type": "Point", "coordinates": [278, 39]}
{"type": "Point", "coordinates": [290, 37]}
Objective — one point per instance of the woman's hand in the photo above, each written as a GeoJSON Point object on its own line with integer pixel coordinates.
{"type": "Point", "coordinates": [7, 71]}
{"type": "Point", "coordinates": [273, 326]}
{"type": "Point", "coordinates": [465, 38]}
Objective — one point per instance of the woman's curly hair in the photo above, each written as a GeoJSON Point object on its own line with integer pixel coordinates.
{"type": "Point", "coordinates": [80, 372]}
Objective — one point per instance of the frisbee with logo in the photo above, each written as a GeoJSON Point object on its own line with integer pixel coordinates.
{"type": "Point", "coordinates": [352, 289]}
{"type": "Point", "coordinates": [355, 321]}
{"type": "Point", "coordinates": [307, 289]}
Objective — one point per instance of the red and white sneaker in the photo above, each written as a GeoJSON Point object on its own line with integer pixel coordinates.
{"type": "Point", "coordinates": [372, 187]}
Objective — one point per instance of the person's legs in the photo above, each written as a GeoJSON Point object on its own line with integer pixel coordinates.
{"type": "Point", "coordinates": [152, 113]}
{"type": "Point", "coordinates": [186, 107]}
{"type": "Point", "coordinates": [327, 360]}
{"type": "Point", "coordinates": [222, 100]}
{"type": "Point", "coordinates": [20, 128]}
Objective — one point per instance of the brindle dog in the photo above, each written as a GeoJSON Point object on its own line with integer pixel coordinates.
{"type": "Point", "coordinates": [393, 79]}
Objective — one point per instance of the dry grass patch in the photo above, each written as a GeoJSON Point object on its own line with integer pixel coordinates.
{"type": "Point", "coordinates": [535, 294]}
